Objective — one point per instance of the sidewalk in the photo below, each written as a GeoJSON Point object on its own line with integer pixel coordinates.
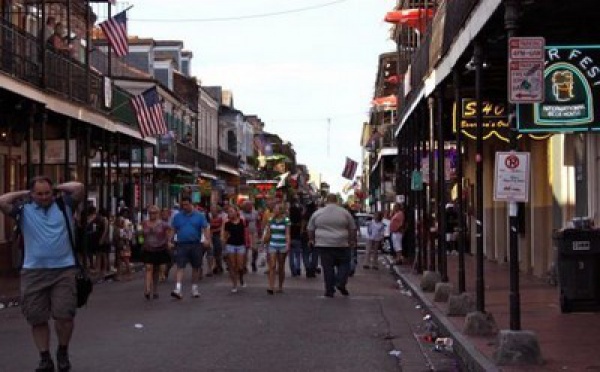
{"type": "Point", "coordinates": [568, 342]}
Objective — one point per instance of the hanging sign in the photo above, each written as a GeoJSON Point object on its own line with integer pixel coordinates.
{"type": "Point", "coordinates": [572, 89]}
{"type": "Point", "coordinates": [416, 181]}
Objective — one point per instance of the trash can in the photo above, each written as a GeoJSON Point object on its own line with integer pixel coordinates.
{"type": "Point", "coordinates": [578, 266]}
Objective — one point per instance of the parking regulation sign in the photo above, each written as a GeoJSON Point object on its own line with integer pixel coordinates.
{"type": "Point", "coordinates": [511, 177]}
{"type": "Point", "coordinates": [526, 69]}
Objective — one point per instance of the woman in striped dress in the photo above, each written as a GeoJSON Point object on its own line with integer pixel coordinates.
{"type": "Point", "coordinates": [277, 240]}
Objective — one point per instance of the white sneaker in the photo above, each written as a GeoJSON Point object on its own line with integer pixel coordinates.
{"type": "Point", "coordinates": [195, 292]}
{"type": "Point", "coordinates": [234, 290]}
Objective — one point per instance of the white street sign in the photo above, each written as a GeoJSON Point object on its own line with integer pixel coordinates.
{"type": "Point", "coordinates": [526, 69]}
{"type": "Point", "coordinates": [511, 177]}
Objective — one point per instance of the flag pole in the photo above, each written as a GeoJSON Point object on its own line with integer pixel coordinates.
{"type": "Point", "coordinates": [109, 65]}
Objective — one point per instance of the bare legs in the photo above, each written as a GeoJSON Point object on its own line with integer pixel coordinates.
{"type": "Point", "coordinates": [277, 265]}
{"type": "Point", "coordinates": [41, 333]}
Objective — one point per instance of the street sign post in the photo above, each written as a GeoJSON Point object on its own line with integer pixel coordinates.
{"type": "Point", "coordinates": [526, 69]}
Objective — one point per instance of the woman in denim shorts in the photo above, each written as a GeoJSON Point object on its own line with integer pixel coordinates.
{"type": "Point", "coordinates": [233, 233]}
{"type": "Point", "coordinates": [277, 239]}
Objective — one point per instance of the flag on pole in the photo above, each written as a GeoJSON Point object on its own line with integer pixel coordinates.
{"type": "Point", "coordinates": [115, 30]}
{"type": "Point", "coordinates": [349, 169]}
{"type": "Point", "coordinates": [149, 112]}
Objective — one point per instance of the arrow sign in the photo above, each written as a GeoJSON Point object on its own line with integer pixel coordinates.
{"type": "Point", "coordinates": [526, 70]}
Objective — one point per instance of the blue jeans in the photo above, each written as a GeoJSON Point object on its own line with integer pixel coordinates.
{"type": "Point", "coordinates": [296, 257]}
{"type": "Point", "coordinates": [310, 256]}
{"type": "Point", "coordinates": [336, 266]}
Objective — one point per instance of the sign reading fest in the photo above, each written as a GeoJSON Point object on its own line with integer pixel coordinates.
{"type": "Point", "coordinates": [572, 87]}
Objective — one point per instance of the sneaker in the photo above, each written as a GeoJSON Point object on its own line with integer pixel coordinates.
{"type": "Point", "coordinates": [46, 365]}
{"type": "Point", "coordinates": [62, 361]}
{"type": "Point", "coordinates": [234, 290]}
{"type": "Point", "coordinates": [343, 290]}
{"type": "Point", "coordinates": [177, 294]}
{"type": "Point", "coordinates": [195, 292]}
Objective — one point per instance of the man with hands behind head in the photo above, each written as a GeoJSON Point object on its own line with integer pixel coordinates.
{"type": "Point", "coordinates": [48, 286]}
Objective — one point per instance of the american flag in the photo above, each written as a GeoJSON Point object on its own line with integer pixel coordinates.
{"type": "Point", "coordinates": [115, 29]}
{"type": "Point", "coordinates": [149, 112]}
{"type": "Point", "coordinates": [350, 169]}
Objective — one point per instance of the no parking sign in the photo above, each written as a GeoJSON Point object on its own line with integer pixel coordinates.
{"type": "Point", "coordinates": [511, 180]}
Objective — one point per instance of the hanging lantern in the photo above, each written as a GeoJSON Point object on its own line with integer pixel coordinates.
{"type": "Point", "coordinates": [390, 101]}
{"type": "Point", "coordinates": [413, 18]}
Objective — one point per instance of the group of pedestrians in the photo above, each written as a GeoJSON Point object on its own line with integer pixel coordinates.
{"type": "Point", "coordinates": [231, 239]}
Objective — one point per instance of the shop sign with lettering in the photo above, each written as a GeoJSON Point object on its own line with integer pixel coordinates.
{"type": "Point", "coordinates": [572, 84]}
{"type": "Point", "coordinates": [495, 120]}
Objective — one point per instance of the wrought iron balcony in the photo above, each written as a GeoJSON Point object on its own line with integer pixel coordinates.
{"type": "Point", "coordinates": [228, 159]}
{"type": "Point", "coordinates": [23, 57]}
{"type": "Point", "coordinates": [192, 158]}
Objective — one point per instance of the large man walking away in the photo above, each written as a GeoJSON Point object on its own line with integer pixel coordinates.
{"type": "Point", "coordinates": [332, 231]}
{"type": "Point", "coordinates": [189, 225]}
{"type": "Point", "coordinates": [48, 276]}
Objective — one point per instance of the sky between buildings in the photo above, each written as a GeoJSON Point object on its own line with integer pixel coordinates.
{"type": "Point", "coordinates": [306, 67]}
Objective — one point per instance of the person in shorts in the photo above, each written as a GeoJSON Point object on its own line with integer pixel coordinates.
{"type": "Point", "coordinates": [48, 285]}
{"type": "Point", "coordinates": [234, 234]}
{"type": "Point", "coordinates": [193, 233]}
{"type": "Point", "coordinates": [277, 240]}
{"type": "Point", "coordinates": [155, 253]}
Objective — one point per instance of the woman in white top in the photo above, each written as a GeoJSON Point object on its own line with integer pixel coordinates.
{"type": "Point", "coordinates": [376, 233]}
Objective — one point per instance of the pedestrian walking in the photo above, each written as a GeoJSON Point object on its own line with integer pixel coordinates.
{"type": "Point", "coordinates": [250, 215]}
{"type": "Point", "coordinates": [234, 235]}
{"type": "Point", "coordinates": [309, 254]}
{"type": "Point", "coordinates": [48, 286]}
{"type": "Point", "coordinates": [376, 232]}
{"type": "Point", "coordinates": [332, 231]}
{"type": "Point", "coordinates": [155, 250]}
{"type": "Point", "coordinates": [295, 259]}
{"type": "Point", "coordinates": [216, 220]}
{"type": "Point", "coordinates": [165, 216]}
{"type": "Point", "coordinates": [397, 227]}
{"type": "Point", "coordinates": [193, 233]}
{"type": "Point", "coordinates": [122, 239]}
{"type": "Point", "coordinates": [277, 240]}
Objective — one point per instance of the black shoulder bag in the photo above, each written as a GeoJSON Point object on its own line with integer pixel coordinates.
{"type": "Point", "coordinates": [84, 283]}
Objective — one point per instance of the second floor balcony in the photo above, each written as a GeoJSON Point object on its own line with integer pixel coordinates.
{"type": "Point", "coordinates": [228, 159]}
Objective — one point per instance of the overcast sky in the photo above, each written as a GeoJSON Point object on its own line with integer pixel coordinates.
{"type": "Point", "coordinates": [300, 70]}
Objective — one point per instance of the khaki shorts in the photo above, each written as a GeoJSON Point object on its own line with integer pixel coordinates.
{"type": "Point", "coordinates": [48, 292]}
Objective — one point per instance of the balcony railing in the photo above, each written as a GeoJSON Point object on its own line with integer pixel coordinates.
{"type": "Point", "coordinates": [228, 159]}
{"type": "Point", "coordinates": [21, 57]}
{"type": "Point", "coordinates": [191, 158]}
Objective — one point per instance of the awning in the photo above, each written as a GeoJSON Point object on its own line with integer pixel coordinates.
{"type": "Point", "coordinates": [386, 151]}
{"type": "Point", "coordinates": [228, 169]}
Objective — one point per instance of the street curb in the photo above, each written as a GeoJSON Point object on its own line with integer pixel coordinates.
{"type": "Point", "coordinates": [471, 358]}
{"type": "Point", "coordinates": [15, 301]}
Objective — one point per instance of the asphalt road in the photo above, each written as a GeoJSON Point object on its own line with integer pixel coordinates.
{"type": "Point", "coordinates": [299, 330]}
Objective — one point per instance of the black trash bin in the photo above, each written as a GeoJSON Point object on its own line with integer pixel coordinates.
{"type": "Point", "coordinates": [578, 266]}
